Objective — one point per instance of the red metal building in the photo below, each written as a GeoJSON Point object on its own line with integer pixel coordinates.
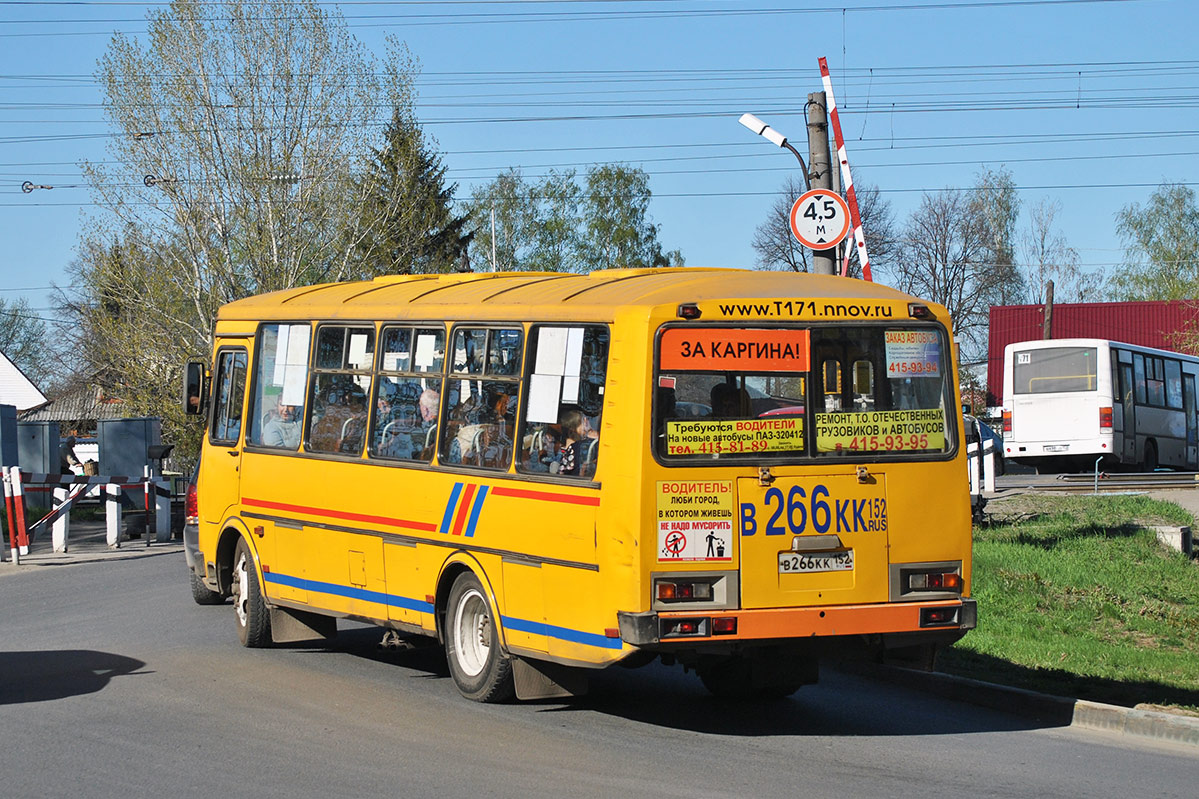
{"type": "Point", "coordinates": [1159, 324]}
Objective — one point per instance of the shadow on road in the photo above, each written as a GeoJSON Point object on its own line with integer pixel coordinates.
{"type": "Point", "coordinates": [57, 674]}
{"type": "Point", "coordinates": [841, 704]}
{"type": "Point", "coordinates": [1059, 682]}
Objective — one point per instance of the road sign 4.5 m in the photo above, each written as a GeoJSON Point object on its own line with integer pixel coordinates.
{"type": "Point", "coordinates": [820, 219]}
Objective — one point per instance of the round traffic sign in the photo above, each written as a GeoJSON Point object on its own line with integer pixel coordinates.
{"type": "Point", "coordinates": [820, 219]}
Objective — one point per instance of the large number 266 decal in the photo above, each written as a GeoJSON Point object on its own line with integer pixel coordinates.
{"type": "Point", "coordinates": [791, 513]}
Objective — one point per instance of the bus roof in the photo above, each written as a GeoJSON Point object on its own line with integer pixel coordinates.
{"type": "Point", "coordinates": [593, 295]}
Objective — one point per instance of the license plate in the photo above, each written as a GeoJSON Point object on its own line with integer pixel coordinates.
{"type": "Point", "coordinates": [809, 562]}
{"type": "Point", "coordinates": [1057, 448]}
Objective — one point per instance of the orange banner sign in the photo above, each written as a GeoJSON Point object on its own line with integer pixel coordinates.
{"type": "Point", "coordinates": [732, 350]}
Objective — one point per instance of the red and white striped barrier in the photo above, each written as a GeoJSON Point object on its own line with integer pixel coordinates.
{"type": "Point", "coordinates": [20, 532]}
{"type": "Point", "coordinates": [851, 197]}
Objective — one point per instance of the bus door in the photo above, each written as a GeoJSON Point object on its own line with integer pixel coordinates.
{"type": "Point", "coordinates": [220, 484]}
{"type": "Point", "coordinates": [1129, 438]}
{"type": "Point", "coordinates": [1188, 405]}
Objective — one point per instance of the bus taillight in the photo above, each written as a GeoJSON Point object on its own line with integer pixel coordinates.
{"type": "Point", "coordinates": [1105, 418]}
{"type": "Point", "coordinates": [1007, 421]}
{"type": "Point", "coordinates": [933, 581]}
{"type": "Point", "coordinates": [682, 628]}
{"type": "Point", "coordinates": [674, 591]}
{"type": "Point", "coordinates": [191, 507]}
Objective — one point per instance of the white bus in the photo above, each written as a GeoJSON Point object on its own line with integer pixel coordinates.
{"type": "Point", "coordinates": [1070, 402]}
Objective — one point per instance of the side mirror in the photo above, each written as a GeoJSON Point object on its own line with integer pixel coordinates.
{"type": "Point", "coordinates": [195, 388]}
{"type": "Point", "coordinates": [966, 408]}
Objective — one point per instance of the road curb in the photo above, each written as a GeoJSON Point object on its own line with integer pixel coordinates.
{"type": "Point", "coordinates": [1047, 708]}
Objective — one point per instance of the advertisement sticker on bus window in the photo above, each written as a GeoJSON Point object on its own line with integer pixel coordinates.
{"type": "Point", "coordinates": [870, 431]}
{"type": "Point", "coordinates": [544, 398]}
{"type": "Point", "coordinates": [734, 350]}
{"type": "Point", "coordinates": [551, 351]}
{"type": "Point", "coordinates": [291, 363]}
{"type": "Point", "coordinates": [718, 437]}
{"type": "Point", "coordinates": [426, 352]}
{"type": "Point", "coordinates": [913, 353]}
{"type": "Point", "coordinates": [695, 520]}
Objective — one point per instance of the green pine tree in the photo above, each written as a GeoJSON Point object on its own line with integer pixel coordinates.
{"type": "Point", "coordinates": [413, 229]}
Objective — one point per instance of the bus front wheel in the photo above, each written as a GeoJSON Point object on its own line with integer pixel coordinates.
{"type": "Point", "coordinates": [253, 619]}
{"type": "Point", "coordinates": [480, 668]}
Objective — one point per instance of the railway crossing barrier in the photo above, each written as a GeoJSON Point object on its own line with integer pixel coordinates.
{"type": "Point", "coordinates": [69, 488]}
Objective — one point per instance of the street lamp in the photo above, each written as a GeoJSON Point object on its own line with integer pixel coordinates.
{"type": "Point", "coordinates": [760, 128]}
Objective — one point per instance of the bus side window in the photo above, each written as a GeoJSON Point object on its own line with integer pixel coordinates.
{"type": "Point", "coordinates": [230, 396]}
{"type": "Point", "coordinates": [280, 383]}
{"type": "Point", "coordinates": [341, 386]}
{"type": "Point", "coordinates": [481, 398]}
{"type": "Point", "coordinates": [407, 393]}
{"type": "Point", "coordinates": [564, 400]}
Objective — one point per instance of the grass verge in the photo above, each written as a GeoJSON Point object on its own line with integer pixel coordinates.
{"type": "Point", "coordinates": [1077, 598]}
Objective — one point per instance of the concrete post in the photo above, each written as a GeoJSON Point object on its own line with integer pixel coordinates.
{"type": "Point", "coordinates": [824, 262]}
{"type": "Point", "coordinates": [60, 530]}
{"type": "Point", "coordinates": [112, 514]}
{"type": "Point", "coordinates": [162, 520]}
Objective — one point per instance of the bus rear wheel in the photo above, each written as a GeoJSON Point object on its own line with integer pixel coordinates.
{"type": "Point", "coordinates": [200, 592]}
{"type": "Point", "coordinates": [253, 619]}
{"type": "Point", "coordinates": [480, 668]}
{"type": "Point", "coordinates": [1150, 462]}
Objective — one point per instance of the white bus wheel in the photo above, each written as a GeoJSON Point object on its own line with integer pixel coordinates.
{"type": "Point", "coordinates": [480, 668]}
{"type": "Point", "coordinates": [253, 620]}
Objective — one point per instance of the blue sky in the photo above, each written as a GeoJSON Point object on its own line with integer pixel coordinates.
{"type": "Point", "coordinates": [1089, 103]}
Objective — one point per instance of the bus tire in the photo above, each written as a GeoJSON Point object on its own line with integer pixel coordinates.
{"type": "Point", "coordinates": [1149, 464]}
{"type": "Point", "coordinates": [200, 592]}
{"type": "Point", "coordinates": [480, 668]}
{"type": "Point", "coordinates": [249, 609]}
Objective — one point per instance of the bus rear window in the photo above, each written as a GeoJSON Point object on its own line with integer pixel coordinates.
{"type": "Point", "coordinates": [1057, 369]}
{"type": "Point", "coordinates": [768, 394]}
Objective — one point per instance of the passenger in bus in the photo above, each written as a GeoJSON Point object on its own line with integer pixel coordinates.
{"type": "Point", "coordinates": [729, 402]}
{"type": "Point", "coordinates": [430, 403]}
{"type": "Point", "coordinates": [486, 441]}
{"type": "Point", "coordinates": [341, 427]}
{"type": "Point", "coordinates": [353, 429]}
{"type": "Point", "coordinates": [576, 427]}
{"type": "Point", "coordinates": [283, 429]}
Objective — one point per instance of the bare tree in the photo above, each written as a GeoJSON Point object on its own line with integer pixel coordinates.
{"type": "Point", "coordinates": [946, 258]}
{"type": "Point", "coordinates": [776, 246]}
{"type": "Point", "coordinates": [778, 249]}
{"type": "Point", "coordinates": [995, 203]}
{"type": "Point", "coordinates": [1047, 256]}
{"type": "Point", "coordinates": [238, 131]}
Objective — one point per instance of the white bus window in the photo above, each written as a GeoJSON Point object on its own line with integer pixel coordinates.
{"type": "Point", "coordinates": [280, 386]}
{"type": "Point", "coordinates": [565, 398]}
{"type": "Point", "coordinates": [341, 384]}
{"type": "Point", "coordinates": [407, 393]}
{"type": "Point", "coordinates": [480, 414]}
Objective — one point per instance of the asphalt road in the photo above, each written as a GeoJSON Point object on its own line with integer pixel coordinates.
{"type": "Point", "coordinates": [114, 684]}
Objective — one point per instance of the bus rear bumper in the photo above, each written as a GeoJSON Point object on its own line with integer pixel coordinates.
{"type": "Point", "coordinates": [642, 629]}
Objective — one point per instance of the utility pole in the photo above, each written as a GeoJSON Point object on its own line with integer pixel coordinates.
{"type": "Point", "coordinates": [1047, 323]}
{"type": "Point", "coordinates": [824, 262]}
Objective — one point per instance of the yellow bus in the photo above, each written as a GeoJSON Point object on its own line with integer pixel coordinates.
{"type": "Point", "coordinates": [740, 472]}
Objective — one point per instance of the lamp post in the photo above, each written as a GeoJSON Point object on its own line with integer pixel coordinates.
{"type": "Point", "coordinates": [760, 128]}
